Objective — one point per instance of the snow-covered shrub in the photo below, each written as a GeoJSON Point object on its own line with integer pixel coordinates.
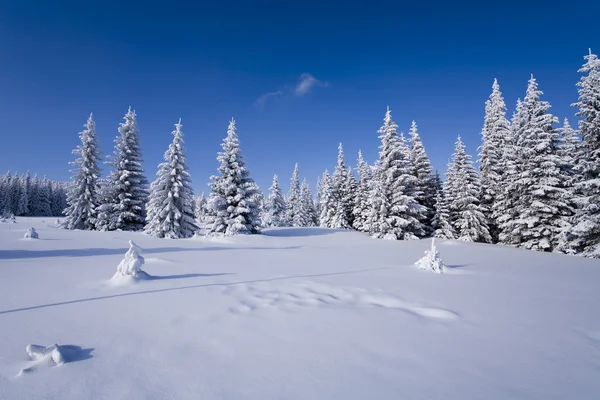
{"type": "Point", "coordinates": [431, 260]}
{"type": "Point", "coordinates": [31, 234]}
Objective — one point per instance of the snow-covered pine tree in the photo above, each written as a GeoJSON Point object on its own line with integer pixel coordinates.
{"type": "Point", "coordinates": [318, 198]}
{"type": "Point", "coordinates": [308, 216]}
{"type": "Point", "coordinates": [441, 219]}
{"type": "Point", "coordinates": [59, 198]}
{"type": "Point", "coordinates": [274, 212]}
{"type": "Point", "coordinates": [171, 202]}
{"type": "Point", "coordinates": [585, 237]}
{"type": "Point", "coordinates": [341, 195]}
{"type": "Point", "coordinates": [496, 130]}
{"type": "Point", "coordinates": [461, 195]}
{"type": "Point", "coordinates": [361, 199]}
{"type": "Point", "coordinates": [292, 201]}
{"type": "Point", "coordinates": [425, 180]}
{"type": "Point", "coordinates": [200, 204]}
{"type": "Point", "coordinates": [15, 183]}
{"type": "Point", "coordinates": [404, 214]}
{"type": "Point", "coordinates": [106, 218]}
{"type": "Point", "coordinates": [543, 201]}
{"type": "Point", "coordinates": [128, 181]}
{"type": "Point", "coordinates": [82, 198]}
{"type": "Point", "coordinates": [504, 209]}
{"type": "Point", "coordinates": [23, 203]}
{"type": "Point", "coordinates": [377, 223]}
{"type": "Point", "coordinates": [328, 203]}
{"type": "Point", "coordinates": [232, 206]}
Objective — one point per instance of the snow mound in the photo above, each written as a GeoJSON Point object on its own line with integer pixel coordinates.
{"type": "Point", "coordinates": [53, 355]}
{"type": "Point", "coordinates": [130, 268]}
{"type": "Point", "coordinates": [431, 260]}
{"type": "Point", "coordinates": [31, 234]}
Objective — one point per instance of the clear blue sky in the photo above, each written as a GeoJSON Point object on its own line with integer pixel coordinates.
{"type": "Point", "coordinates": [209, 61]}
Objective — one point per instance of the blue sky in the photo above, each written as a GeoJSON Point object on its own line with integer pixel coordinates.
{"type": "Point", "coordinates": [206, 63]}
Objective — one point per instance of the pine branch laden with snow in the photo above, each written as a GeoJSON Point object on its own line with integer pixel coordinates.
{"type": "Point", "coordinates": [125, 209]}
{"type": "Point", "coordinates": [131, 265]}
{"type": "Point", "coordinates": [171, 203]}
{"type": "Point", "coordinates": [402, 213]}
{"type": "Point", "coordinates": [233, 206]}
{"type": "Point", "coordinates": [423, 172]}
{"type": "Point", "coordinates": [538, 195]}
{"type": "Point", "coordinates": [431, 261]}
{"type": "Point", "coordinates": [275, 207]}
{"type": "Point", "coordinates": [496, 130]}
{"type": "Point", "coordinates": [292, 214]}
{"type": "Point", "coordinates": [584, 237]}
{"type": "Point", "coordinates": [461, 197]}
{"type": "Point", "coordinates": [82, 197]}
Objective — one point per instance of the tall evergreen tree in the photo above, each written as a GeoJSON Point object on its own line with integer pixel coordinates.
{"type": "Point", "coordinates": [543, 201]}
{"type": "Point", "coordinates": [83, 194]}
{"type": "Point", "coordinates": [232, 206]}
{"type": "Point", "coordinates": [106, 219]}
{"type": "Point", "coordinates": [327, 202]}
{"type": "Point", "coordinates": [274, 213]}
{"type": "Point", "coordinates": [341, 195]}
{"type": "Point", "coordinates": [361, 199]}
{"type": "Point", "coordinates": [423, 171]}
{"type": "Point", "coordinates": [200, 204]}
{"type": "Point", "coordinates": [441, 219]}
{"type": "Point", "coordinates": [171, 203]}
{"type": "Point", "coordinates": [23, 203]}
{"type": "Point", "coordinates": [404, 214]}
{"type": "Point", "coordinates": [292, 201]}
{"type": "Point", "coordinates": [586, 233]}
{"type": "Point", "coordinates": [308, 216]}
{"type": "Point", "coordinates": [377, 221]}
{"type": "Point", "coordinates": [495, 132]}
{"type": "Point", "coordinates": [128, 181]}
{"type": "Point", "coordinates": [461, 194]}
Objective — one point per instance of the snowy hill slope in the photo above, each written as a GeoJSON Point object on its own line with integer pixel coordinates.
{"type": "Point", "coordinates": [294, 314]}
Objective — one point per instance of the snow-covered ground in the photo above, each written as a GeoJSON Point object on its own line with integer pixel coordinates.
{"type": "Point", "coordinates": [297, 313]}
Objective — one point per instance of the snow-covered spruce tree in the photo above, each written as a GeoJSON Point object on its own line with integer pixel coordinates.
{"type": "Point", "coordinates": [424, 173]}
{"type": "Point", "coordinates": [59, 197]}
{"type": "Point", "coordinates": [441, 219]}
{"type": "Point", "coordinates": [171, 202]}
{"type": "Point", "coordinates": [341, 193]}
{"type": "Point", "coordinates": [274, 212]}
{"type": "Point", "coordinates": [318, 198]}
{"type": "Point", "coordinates": [292, 201]}
{"type": "Point", "coordinates": [23, 203]}
{"type": "Point", "coordinates": [377, 223]}
{"type": "Point", "coordinates": [543, 202]}
{"type": "Point", "coordinates": [45, 198]}
{"type": "Point", "coordinates": [308, 216]}
{"type": "Point", "coordinates": [200, 203]}
{"type": "Point", "coordinates": [404, 214]}
{"type": "Point", "coordinates": [232, 205]}
{"type": "Point", "coordinates": [494, 135]}
{"type": "Point", "coordinates": [328, 203]}
{"type": "Point", "coordinates": [504, 210]}
{"type": "Point", "coordinates": [82, 198]}
{"type": "Point", "coordinates": [361, 198]}
{"type": "Point", "coordinates": [585, 235]}
{"type": "Point", "coordinates": [106, 218]}
{"type": "Point", "coordinates": [461, 195]}
{"type": "Point", "coordinates": [128, 181]}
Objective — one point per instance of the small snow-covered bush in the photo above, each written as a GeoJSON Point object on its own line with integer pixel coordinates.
{"type": "Point", "coordinates": [31, 234]}
{"type": "Point", "coordinates": [131, 264]}
{"type": "Point", "coordinates": [431, 260]}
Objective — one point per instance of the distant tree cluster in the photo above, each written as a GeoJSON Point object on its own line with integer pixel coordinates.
{"type": "Point", "coordinates": [24, 195]}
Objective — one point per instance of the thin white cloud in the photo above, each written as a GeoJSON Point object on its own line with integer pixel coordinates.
{"type": "Point", "coordinates": [264, 98]}
{"type": "Point", "coordinates": [307, 83]}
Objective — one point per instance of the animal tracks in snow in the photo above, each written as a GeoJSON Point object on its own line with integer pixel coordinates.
{"type": "Point", "coordinates": [297, 295]}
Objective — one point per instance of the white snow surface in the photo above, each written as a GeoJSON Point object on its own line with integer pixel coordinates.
{"type": "Point", "coordinates": [296, 313]}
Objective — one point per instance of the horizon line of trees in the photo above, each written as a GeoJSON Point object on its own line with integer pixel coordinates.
{"type": "Point", "coordinates": [24, 195]}
{"type": "Point", "coordinates": [537, 186]}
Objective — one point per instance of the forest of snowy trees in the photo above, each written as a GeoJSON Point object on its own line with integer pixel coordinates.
{"type": "Point", "coordinates": [536, 184]}
{"type": "Point", "coordinates": [24, 195]}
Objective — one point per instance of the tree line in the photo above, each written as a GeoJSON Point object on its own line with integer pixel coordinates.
{"type": "Point", "coordinates": [24, 195]}
{"type": "Point", "coordinates": [537, 185]}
